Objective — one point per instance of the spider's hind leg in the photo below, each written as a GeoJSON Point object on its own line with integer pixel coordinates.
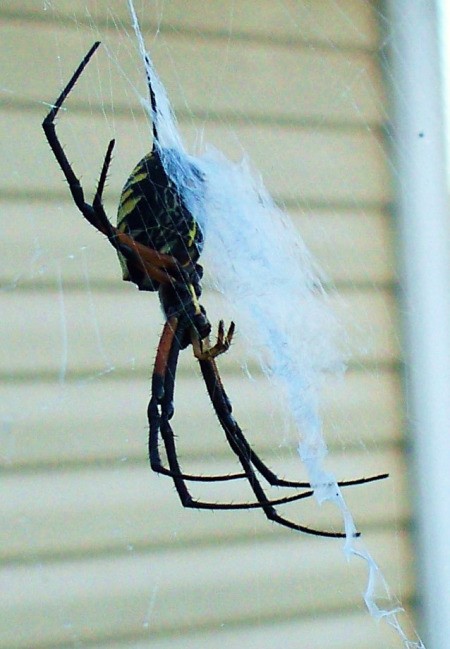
{"type": "Point", "coordinates": [251, 462]}
{"type": "Point", "coordinates": [223, 409]}
{"type": "Point", "coordinates": [161, 409]}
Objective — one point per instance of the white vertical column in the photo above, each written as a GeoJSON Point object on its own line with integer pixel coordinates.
{"type": "Point", "coordinates": [424, 228]}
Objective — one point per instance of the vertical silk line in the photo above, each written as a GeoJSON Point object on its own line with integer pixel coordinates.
{"type": "Point", "coordinates": [258, 261]}
{"type": "Point", "coordinates": [93, 313]}
{"type": "Point", "coordinates": [63, 325]}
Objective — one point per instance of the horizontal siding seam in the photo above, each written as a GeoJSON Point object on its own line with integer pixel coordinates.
{"type": "Point", "coordinates": [191, 116]}
{"type": "Point", "coordinates": [106, 286]}
{"type": "Point", "coordinates": [212, 542]}
{"type": "Point", "coordinates": [140, 461]}
{"type": "Point", "coordinates": [378, 366]}
{"type": "Point", "coordinates": [309, 205]}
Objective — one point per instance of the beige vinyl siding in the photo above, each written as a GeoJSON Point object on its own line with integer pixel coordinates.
{"type": "Point", "coordinates": [96, 550]}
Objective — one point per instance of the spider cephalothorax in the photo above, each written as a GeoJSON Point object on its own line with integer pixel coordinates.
{"type": "Point", "coordinates": [159, 240]}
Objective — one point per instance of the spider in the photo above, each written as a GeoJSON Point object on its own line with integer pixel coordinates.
{"type": "Point", "coordinates": [159, 241]}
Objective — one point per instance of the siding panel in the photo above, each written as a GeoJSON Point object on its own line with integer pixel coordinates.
{"type": "Point", "coordinates": [352, 246]}
{"type": "Point", "coordinates": [121, 595]}
{"type": "Point", "coordinates": [345, 23]}
{"type": "Point", "coordinates": [348, 166]}
{"type": "Point", "coordinates": [260, 81]}
{"type": "Point", "coordinates": [89, 331]}
{"type": "Point", "coordinates": [119, 506]}
{"type": "Point", "coordinates": [52, 423]}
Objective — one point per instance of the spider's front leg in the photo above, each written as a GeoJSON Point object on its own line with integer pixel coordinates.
{"type": "Point", "coordinates": [50, 131]}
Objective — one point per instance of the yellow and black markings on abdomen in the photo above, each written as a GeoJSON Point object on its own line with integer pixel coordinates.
{"type": "Point", "coordinates": [152, 211]}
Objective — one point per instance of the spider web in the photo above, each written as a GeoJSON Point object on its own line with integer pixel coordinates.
{"type": "Point", "coordinates": [262, 296]}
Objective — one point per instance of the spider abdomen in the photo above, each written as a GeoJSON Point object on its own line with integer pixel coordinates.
{"type": "Point", "coordinates": [153, 211]}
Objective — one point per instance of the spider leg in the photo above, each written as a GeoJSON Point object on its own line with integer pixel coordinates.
{"type": "Point", "coordinates": [160, 407]}
{"type": "Point", "coordinates": [246, 456]}
{"type": "Point", "coordinates": [49, 129]}
{"type": "Point", "coordinates": [223, 410]}
{"type": "Point", "coordinates": [162, 396]}
{"type": "Point", "coordinates": [160, 412]}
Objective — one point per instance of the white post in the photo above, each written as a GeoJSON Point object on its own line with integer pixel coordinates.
{"type": "Point", "coordinates": [418, 147]}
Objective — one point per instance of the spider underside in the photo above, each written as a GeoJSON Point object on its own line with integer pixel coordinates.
{"type": "Point", "coordinates": [159, 242]}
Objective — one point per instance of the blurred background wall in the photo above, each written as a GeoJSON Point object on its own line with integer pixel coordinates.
{"type": "Point", "coordinates": [96, 550]}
